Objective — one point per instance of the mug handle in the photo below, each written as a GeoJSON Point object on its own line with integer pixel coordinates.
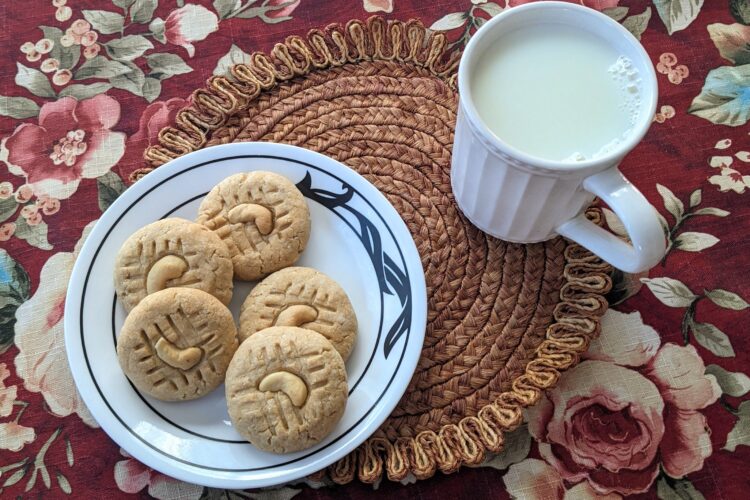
{"type": "Point", "coordinates": [638, 216]}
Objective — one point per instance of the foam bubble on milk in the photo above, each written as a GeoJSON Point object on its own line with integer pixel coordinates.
{"type": "Point", "coordinates": [629, 82]}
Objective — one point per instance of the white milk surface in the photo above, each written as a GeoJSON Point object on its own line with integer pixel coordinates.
{"type": "Point", "coordinates": [556, 92]}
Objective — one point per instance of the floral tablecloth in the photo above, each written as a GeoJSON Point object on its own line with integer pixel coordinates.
{"type": "Point", "coordinates": [659, 407]}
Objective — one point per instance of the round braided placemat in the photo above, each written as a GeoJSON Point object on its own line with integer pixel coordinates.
{"type": "Point", "coordinates": [503, 319]}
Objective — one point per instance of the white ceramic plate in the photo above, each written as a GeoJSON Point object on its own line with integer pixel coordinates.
{"type": "Point", "coordinates": [357, 238]}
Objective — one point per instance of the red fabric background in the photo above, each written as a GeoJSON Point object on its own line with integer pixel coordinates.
{"type": "Point", "coordinates": [675, 154]}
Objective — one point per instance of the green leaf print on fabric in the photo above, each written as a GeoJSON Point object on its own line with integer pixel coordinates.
{"type": "Point", "coordinates": [142, 11]}
{"type": "Point", "coordinates": [732, 40]}
{"type": "Point", "coordinates": [100, 67]}
{"type": "Point", "coordinates": [128, 47]}
{"type": "Point", "coordinates": [740, 433]}
{"type": "Point", "coordinates": [516, 447]}
{"type": "Point", "coordinates": [670, 292]}
{"type": "Point", "coordinates": [66, 56]}
{"type": "Point", "coordinates": [109, 186]}
{"type": "Point", "coordinates": [740, 10]}
{"type": "Point", "coordinates": [151, 89]}
{"type": "Point", "coordinates": [674, 293]}
{"type": "Point", "coordinates": [713, 339]}
{"type": "Point", "coordinates": [123, 4]}
{"type": "Point", "coordinates": [81, 91]}
{"type": "Point", "coordinates": [688, 241]}
{"type": "Point", "coordinates": [132, 81]}
{"type": "Point", "coordinates": [638, 23]}
{"type": "Point", "coordinates": [677, 489]}
{"type": "Point", "coordinates": [725, 97]}
{"type": "Point", "coordinates": [34, 81]}
{"type": "Point", "coordinates": [104, 22]}
{"type": "Point", "coordinates": [694, 242]}
{"type": "Point", "coordinates": [727, 300]}
{"type": "Point", "coordinates": [14, 291]}
{"type": "Point", "coordinates": [450, 21]}
{"type": "Point", "coordinates": [35, 236]}
{"type": "Point", "coordinates": [235, 56]}
{"type": "Point", "coordinates": [735, 384]}
{"type": "Point", "coordinates": [616, 13]}
{"type": "Point", "coordinates": [165, 66]}
{"type": "Point", "coordinates": [8, 207]}
{"type": "Point", "coordinates": [225, 7]}
{"type": "Point", "coordinates": [678, 14]}
{"type": "Point", "coordinates": [18, 107]}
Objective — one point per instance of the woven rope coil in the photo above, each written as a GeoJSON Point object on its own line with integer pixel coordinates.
{"type": "Point", "coordinates": [503, 319]}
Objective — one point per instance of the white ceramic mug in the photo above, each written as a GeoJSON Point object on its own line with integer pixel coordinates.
{"type": "Point", "coordinates": [521, 198]}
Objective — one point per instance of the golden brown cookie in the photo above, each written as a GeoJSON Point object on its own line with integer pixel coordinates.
{"type": "Point", "coordinates": [176, 344]}
{"type": "Point", "coordinates": [262, 217]}
{"type": "Point", "coordinates": [304, 297]}
{"type": "Point", "coordinates": [286, 389]}
{"type": "Point", "coordinates": [172, 253]}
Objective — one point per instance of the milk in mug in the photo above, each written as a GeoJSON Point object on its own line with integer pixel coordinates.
{"type": "Point", "coordinates": [552, 96]}
{"type": "Point", "coordinates": [556, 92]}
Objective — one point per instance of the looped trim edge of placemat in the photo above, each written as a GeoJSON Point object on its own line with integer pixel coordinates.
{"type": "Point", "coordinates": [576, 322]}
{"type": "Point", "coordinates": [586, 278]}
{"type": "Point", "coordinates": [373, 40]}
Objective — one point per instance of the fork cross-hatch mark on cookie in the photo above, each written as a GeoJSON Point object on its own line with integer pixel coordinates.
{"type": "Point", "coordinates": [168, 351]}
{"type": "Point", "coordinates": [304, 297]}
{"type": "Point", "coordinates": [166, 339]}
{"type": "Point", "coordinates": [172, 252]}
{"type": "Point", "coordinates": [251, 222]}
{"type": "Point", "coordinates": [286, 389]}
{"type": "Point", "coordinates": [177, 343]}
{"type": "Point", "coordinates": [261, 217]}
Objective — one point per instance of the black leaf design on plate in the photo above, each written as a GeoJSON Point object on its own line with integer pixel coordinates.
{"type": "Point", "coordinates": [325, 198]}
{"type": "Point", "coordinates": [400, 284]}
{"type": "Point", "coordinates": [391, 278]}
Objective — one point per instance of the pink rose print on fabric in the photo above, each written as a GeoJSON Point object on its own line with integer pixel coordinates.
{"type": "Point", "coordinates": [378, 5]}
{"type": "Point", "coordinates": [629, 409]}
{"type": "Point", "coordinates": [13, 436]}
{"type": "Point", "coordinates": [132, 476]}
{"type": "Point", "coordinates": [190, 23]}
{"type": "Point", "coordinates": [283, 12]}
{"type": "Point", "coordinates": [156, 116]}
{"type": "Point", "coordinates": [73, 141]}
{"type": "Point", "coordinates": [534, 479]}
{"type": "Point", "coordinates": [7, 393]}
{"type": "Point", "coordinates": [42, 362]}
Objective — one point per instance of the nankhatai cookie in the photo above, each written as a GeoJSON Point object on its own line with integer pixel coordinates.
{"type": "Point", "coordinates": [263, 219]}
{"type": "Point", "coordinates": [304, 297]}
{"type": "Point", "coordinates": [286, 389]}
{"type": "Point", "coordinates": [176, 344]}
{"type": "Point", "coordinates": [172, 253]}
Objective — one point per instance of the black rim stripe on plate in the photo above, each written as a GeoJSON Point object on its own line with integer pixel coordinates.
{"type": "Point", "coordinates": [211, 438]}
{"type": "Point", "coordinates": [222, 469]}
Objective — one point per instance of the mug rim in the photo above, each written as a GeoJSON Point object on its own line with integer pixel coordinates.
{"type": "Point", "coordinates": [611, 158]}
